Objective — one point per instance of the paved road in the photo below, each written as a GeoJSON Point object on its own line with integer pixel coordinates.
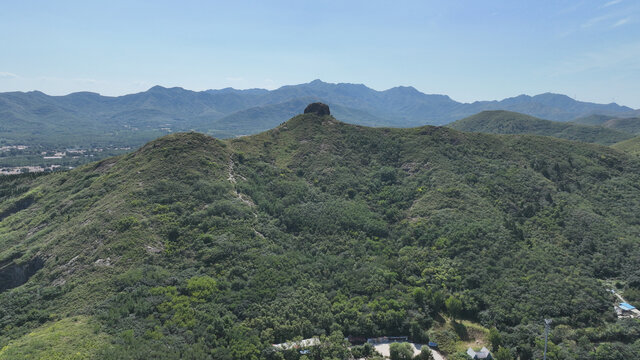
{"type": "Point", "coordinates": [437, 355]}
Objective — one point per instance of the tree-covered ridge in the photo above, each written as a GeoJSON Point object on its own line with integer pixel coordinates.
{"type": "Point", "coordinates": [193, 247]}
{"type": "Point", "coordinates": [631, 146]}
{"type": "Point", "coordinates": [506, 122]}
{"type": "Point", "coordinates": [625, 124]}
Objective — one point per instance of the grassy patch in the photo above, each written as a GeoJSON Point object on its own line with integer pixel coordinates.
{"type": "Point", "coordinates": [69, 338]}
{"type": "Point", "coordinates": [453, 337]}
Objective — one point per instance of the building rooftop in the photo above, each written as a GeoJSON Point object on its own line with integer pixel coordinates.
{"type": "Point", "coordinates": [625, 306]}
{"type": "Point", "coordinates": [482, 354]}
{"type": "Point", "coordinates": [297, 344]}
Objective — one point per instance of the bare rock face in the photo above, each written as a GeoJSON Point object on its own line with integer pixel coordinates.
{"type": "Point", "coordinates": [317, 108]}
{"type": "Point", "coordinates": [13, 275]}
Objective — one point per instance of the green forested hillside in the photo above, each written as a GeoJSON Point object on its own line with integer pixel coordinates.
{"type": "Point", "coordinates": [507, 122]}
{"type": "Point", "coordinates": [192, 247]}
{"type": "Point", "coordinates": [625, 124]}
{"type": "Point", "coordinates": [631, 146]}
{"type": "Point", "coordinates": [629, 125]}
{"type": "Point", "coordinates": [594, 119]}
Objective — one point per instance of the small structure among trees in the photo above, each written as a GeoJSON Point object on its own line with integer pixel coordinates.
{"type": "Point", "coordinates": [387, 339]}
{"type": "Point", "coordinates": [484, 353]}
{"type": "Point", "coordinates": [400, 351]}
{"type": "Point", "coordinates": [626, 310]}
{"type": "Point", "coordinates": [298, 344]}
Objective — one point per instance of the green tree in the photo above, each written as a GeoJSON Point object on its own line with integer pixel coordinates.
{"type": "Point", "coordinates": [612, 352]}
{"type": "Point", "coordinates": [333, 346]}
{"type": "Point", "coordinates": [416, 333]}
{"type": "Point", "coordinates": [419, 296]}
{"type": "Point", "coordinates": [425, 354]}
{"type": "Point", "coordinates": [201, 287]}
{"type": "Point", "coordinates": [460, 355]}
{"type": "Point", "coordinates": [454, 306]}
{"type": "Point", "coordinates": [363, 351]}
{"type": "Point", "coordinates": [495, 338]}
{"type": "Point", "coordinates": [400, 351]}
{"type": "Point", "coordinates": [503, 354]}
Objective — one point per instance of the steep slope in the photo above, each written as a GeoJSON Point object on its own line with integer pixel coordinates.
{"type": "Point", "coordinates": [192, 247]}
{"type": "Point", "coordinates": [506, 122]}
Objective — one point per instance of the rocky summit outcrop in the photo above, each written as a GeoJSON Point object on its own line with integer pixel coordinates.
{"type": "Point", "coordinates": [317, 108]}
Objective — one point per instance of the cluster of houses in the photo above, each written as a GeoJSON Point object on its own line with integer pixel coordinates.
{"type": "Point", "coordinates": [622, 309]}
{"type": "Point", "coordinates": [301, 345]}
{"type": "Point", "coordinates": [352, 339]}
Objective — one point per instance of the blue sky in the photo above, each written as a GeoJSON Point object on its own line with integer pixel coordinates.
{"type": "Point", "coordinates": [470, 50]}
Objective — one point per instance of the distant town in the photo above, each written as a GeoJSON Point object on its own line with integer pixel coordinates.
{"type": "Point", "coordinates": [20, 159]}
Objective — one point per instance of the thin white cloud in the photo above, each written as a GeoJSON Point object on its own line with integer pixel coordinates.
{"type": "Point", "coordinates": [596, 20]}
{"type": "Point", "coordinates": [621, 22]}
{"type": "Point", "coordinates": [7, 75]}
{"type": "Point", "coordinates": [611, 3]}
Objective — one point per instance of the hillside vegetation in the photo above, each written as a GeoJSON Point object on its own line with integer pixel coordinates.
{"type": "Point", "coordinates": [631, 146]}
{"type": "Point", "coordinates": [625, 124]}
{"type": "Point", "coordinates": [195, 248]}
{"type": "Point", "coordinates": [629, 125]}
{"type": "Point", "coordinates": [506, 122]}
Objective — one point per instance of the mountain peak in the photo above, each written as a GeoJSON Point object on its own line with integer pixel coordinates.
{"type": "Point", "coordinates": [317, 108]}
{"type": "Point", "coordinates": [404, 89]}
{"type": "Point", "coordinates": [553, 96]}
{"type": "Point", "coordinates": [157, 88]}
{"type": "Point", "coordinates": [162, 89]}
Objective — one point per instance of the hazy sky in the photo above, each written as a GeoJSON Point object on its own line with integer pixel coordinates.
{"type": "Point", "coordinates": [470, 50]}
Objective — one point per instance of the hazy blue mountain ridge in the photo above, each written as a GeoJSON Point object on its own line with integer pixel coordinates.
{"type": "Point", "coordinates": [34, 116]}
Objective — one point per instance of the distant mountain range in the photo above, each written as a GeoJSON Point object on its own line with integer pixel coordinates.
{"type": "Point", "coordinates": [136, 118]}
